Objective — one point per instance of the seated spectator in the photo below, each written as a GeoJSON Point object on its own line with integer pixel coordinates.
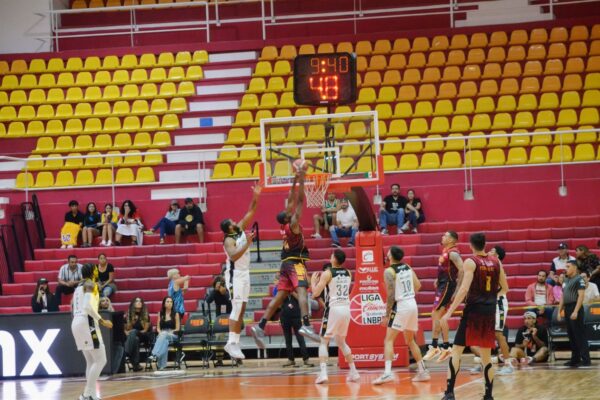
{"type": "Point", "coordinates": [72, 227]}
{"type": "Point", "coordinates": [178, 285]}
{"type": "Point", "coordinates": [91, 223]}
{"type": "Point", "coordinates": [540, 296]}
{"type": "Point", "coordinates": [129, 224]}
{"type": "Point", "coordinates": [69, 277]}
{"type": "Point", "coordinates": [414, 212]}
{"type": "Point", "coordinates": [588, 261]}
{"type": "Point", "coordinates": [346, 224]}
{"type": "Point", "coordinates": [190, 220]}
{"type": "Point", "coordinates": [392, 210]}
{"type": "Point", "coordinates": [591, 294]}
{"type": "Point", "coordinates": [331, 205]}
{"type": "Point", "coordinates": [137, 330]}
{"type": "Point", "coordinates": [166, 225]}
{"type": "Point", "coordinates": [106, 273]}
{"type": "Point", "coordinates": [557, 289]}
{"type": "Point", "coordinates": [105, 305]}
{"type": "Point", "coordinates": [167, 328]}
{"type": "Point", "coordinates": [108, 224]}
{"type": "Point", "coordinates": [43, 300]}
{"type": "Point", "coordinates": [291, 323]}
{"type": "Point", "coordinates": [559, 263]}
{"type": "Point", "coordinates": [531, 342]}
{"type": "Point", "coordinates": [220, 296]}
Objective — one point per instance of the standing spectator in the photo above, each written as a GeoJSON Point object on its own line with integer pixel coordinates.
{"type": "Point", "coordinates": [167, 328]}
{"type": "Point", "coordinates": [220, 296]}
{"type": "Point", "coordinates": [178, 285]}
{"type": "Point", "coordinates": [414, 212]}
{"type": "Point", "coordinates": [72, 227]}
{"type": "Point", "coordinates": [540, 296]}
{"type": "Point", "coordinates": [331, 205]}
{"type": "Point", "coordinates": [591, 294]}
{"type": "Point", "coordinates": [166, 225]}
{"type": "Point", "coordinates": [69, 277]}
{"type": "Point", "coordinates": [137, 331]}
{"type": "Point", "coordinates": [588, 261]}
{"type": "Point", "coordinates": [531, 342]}
{"type": "Point", "coordinates": [392, 210]}
{"type": "Point", "coordinates": [43, 300]}
{"type": "Point", "coordinates": [346, 225]}
{"type": "Point", "coordinates": [290, 320]}
{"type": "Point", "coordinates": [559, 263]}
{"type": "Point", "coordinates": [129, 224]}
{"type": "Point", "coordinates": [106, 276]}
{"type": "Point", "coordinates": [557, 289]}
{"type": "Point", "coordinates": [91, 222]}
{"type": "Point", "coordinates": [190, 220]}
{"type": "Point", "coordinates": [108, 222]}
{"type": "Point", "coordinates": [571, 306]}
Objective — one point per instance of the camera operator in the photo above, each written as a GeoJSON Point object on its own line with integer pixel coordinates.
{"type": "Point", "coordinates": [220, 296]}
{"type": "Point", "coordinates": [531, 342]}
{"type": "Point", "coordinates": [43, 300]}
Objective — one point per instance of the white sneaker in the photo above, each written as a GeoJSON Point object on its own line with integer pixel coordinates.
{"type": "Point", "coordinates": [64, 246]}
{"type": "Point", "coordinates": [507, 369]}
{"type": "Point", "coordinates": [415, 230]}
{"type": "Point", "coordinates": [494, 360]}
{"type": "Point", "coordinates": [316, 236]}
{"type": "Point", "coordinates": [234, 351]}
{"type": "Point", "coordinates": [476, 370]}
{"type": "Point", "coordinates": [70, 246]}
{"type": "Point", "coordinates": [384, 231]}
{"type": "Point", "coordinates": [103, 243]}
{"type": "Point", "coordinates": [353, 376]}
{"type": "Point", "coordinates": [405, 226]}
{"type": "Point", "coordinates": [385, 378]}
{"type": "Point", "coordinates": [421, 377]}
{"type": "Point", "coordinates": [109, 243]}
{"type": "Point", "coordinates": [432, 353]}
{"type": "Point", "coordinates": [322, 378]}
{"type": "Point", "coordinates": [477, 360]}
{"type": "Point", "coordinates": [309, 332]}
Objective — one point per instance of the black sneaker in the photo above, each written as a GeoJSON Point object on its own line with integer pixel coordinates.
{"type": "Point", "coordinates": [572, 364]}
{"type": "Point", "coordinates": [137, 368]}
{"type": "Point", "coordinates": [448, 396]}
{"type": "Point", "coordinates": [336, 245]}
{"type": "Point", "coordinates": [586, 364]}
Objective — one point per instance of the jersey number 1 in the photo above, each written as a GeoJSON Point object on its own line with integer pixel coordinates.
{"type": "Point", "coordinates": [488, 283]}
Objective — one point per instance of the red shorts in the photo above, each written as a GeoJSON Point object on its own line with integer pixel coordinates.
{"type": "Point", "coordinates": [292, 274]}
{"type": "Point", "coordinates": [477, 326]}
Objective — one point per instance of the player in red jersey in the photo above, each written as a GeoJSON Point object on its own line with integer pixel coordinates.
{"type": "Point", "coordinates": [483, 277]}
{"type": "Point", "coordinates": [449, 266]}
{"type": "Point", "coordinates": [292, 273]}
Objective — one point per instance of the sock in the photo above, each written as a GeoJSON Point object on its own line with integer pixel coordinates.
{"type": "Point", "coordinates": [434, 343]}
{"type": "Point", "coordinates": [236, 337]}
{"type": "Point", "coordinates": [452, 378]}
{"type": "Point", "coordinates": [352, 367]}
{"type": "Point", "coordinates": [489, 384]}
{"type": "Point", "coordinates": [305, 320]}
{"type": "Point", "coordinates": [388, 367]}
{"type": "Point", "coordinates": [231, 338]}
{"type": "Point", "coordinates": [421, 366]}
{"type": "Point", "coordinates": [262, 323]}
{"type": "Point", "coordinates": [323, 368]}
{"type": "Point", "coordinates": [446, 345]}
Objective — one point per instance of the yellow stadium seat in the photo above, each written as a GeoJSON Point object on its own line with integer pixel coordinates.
{"type": "Point", "coordinates": [436, 59]}
{"type": "Point", "coordinates": [536, 52]}
{"type": "Point", "coordinates": [594, 48]}
{"type": "Point", "coordinates": [523, 119]}
{"type": "Point", "coordinates": [372, 78]}
{"type": "Point", "coordinates": [390, 78]}
{"type": "Point", "coordinates": [54, 127]}
{"type": "Point", "coordinates": [113, 158]}
{"type": "Point", "coordinates": [165, 59]}
{"type": "Point", "coordinates": [459, 41]}
{"type": "Point", "coordinates": [132, 158]}
{"type": "Point", "coordinates": [465, 106]}
{"type": "Point", "coordinates": [397, 61]}
{"type": "Point", "coordinates": [563, 136]}
{"type": "Point", "coordinates": [387, 94]}
{"type": "Point", "coordinates": [418, 126]}
{"type": "Point", "coordinates": [558, 34]}
{"type": "Point", "coordinates": [595, 32]}
{"type": "Point", "coordinates": [451, 159]}
{"type": "Point", "coordinates": [122, 141]}
{"type": "Point", "coordinates": [443, 107]}
{"type": "Point", "coordinates": [46, 111]}
{"type": "Point", "coordinates": [377, 63]}
{"type": "Point", "coordinates": [591, 98]}
{"type": "Point", "coordinates": [519, 141]}
{"type": "Point", "coordinates": [530, 85]}
{"type": "Point", "coordinates": [124, 176]}
{"type": "Point", "coordinates": [306, 49]}
{"type": "Point", "coordinates": [64, 111]}
{"type": "Point", "coordinates": [507, 103]}
{"type": "Point", "coordinates": [553, 67]}
{"type": "Point", "coordinates": [516, 156]}
{"type": "Point", "coordinates": [257, 85]}
{"type": "Point", "coordinates": [427, 92]}
{"type": "Point", "coordinates": [44, 145]}
{"type": "Point", "coordinates": [430, 161]}
{"type": "Point", "coordinates": [475, 56]}
{"type": "Point", "coordinates": [10, 82]}
{"type": "Point", "coordinates": [82, 110]}
{"type": "Point", "coordinates": [541, 138]}
{"type": "Point", "coordinates": [548, 101]}
{"type": "Point", "coordinates": [366, 95]}
{"type": "Point", "coordinates": [102, 142]}
{"type": "Point", "coordinates": [584, 152]}
{"type": "Point", "coordinates": [414, 145]}
{"type": "Point", "coordinates": [511, 70]}
{"type": "Point", "coordinates": [496, 55]}
{"type": "Point", "coordinates": [37, 96]}
{"type": "Point", "coordinates": [249, 102]}
{"type": "Point", "coordinates": [183, 58]}
{"type": "Point", "coordinates": [389, 163]}
{"type": "Point", "coordinates": [403, 110]}
{"type": "Point", "coordinates": [417, 60]}
{"type": "Point", "coordinates": [460, 123]}
{"type": "Point", "coordinates": [161, 139]}
{"type": "Point", "coordinates": [401, 46]}
{"type": "Point", "coordinates": [488, 87]}
{"type": "Point", "coordinates": [423, 109]}
{"type": "Point", "coordinates": [44, 179]}
{"type": "Point", "coordinates": [388, 148]}
{"type": "Point", "coordinates": [363, 48]}
{"type": "Point", "coordinates": [579, 32]}
{"type": "Point", "coordinates": [586, 136]}
{"type": "Point", "coordinates": [93, 162]}
{"type": "Point", "coordinates": [475, 140]}
{"type": "Point", "coordinates": [288, 52]}
{"type": "Point", "coordinates": [494, 157]}
{"type": "Point", "coordinates": [64, 144]}
{"type": "Point", "coordinates": [570, 82]}
{"type": "Point", "coordinates": [361, 64]}
{"type": "Point", "coordinates": [104, 177]}
{"type": "Point", "coordinates": [578, 49]}
{"type": "Point", "coordinates": [282, 67]}
{"type": "Point", "coordinates": [431, 75]}
{"type": "Point", "coordinates": [384, 111]}
{"type": "Point", "coordinates": [467, 89]}
{"type": "Point", "coordinates": [498, 141]}
{"type": "Point", "coordinates": [411, 75]}
{"type": "Point", "coordinates": [236, 136]}
{"type": "Point", "coordinates": [263, 68]}
{"type": "Point", "coordinates": [64, 179]}
{"type": "Point", "coordinates": [74, 163]}
{"type": "Point", "coordinates": [447, 91]}
{"type": "Point", "coordinates": [561, 154]}
{"type": "Point", "coordinates": [545, 119]}
{"type": "Point", "coordinates": [533, 68]}
{"type": "Point", "coordinates": [147, 60]}
{"type": "Point", "coordinates": [455, 58]}
{"type": "Point", "coordinates": [397, 128]}
{"type": "Point", "coordinates": [438, 125]}
{"type": "Point", "coordinates": [92, 63]}
{"type": "Point", "coordinates": [408, 162]}
{"type": "Point", "coordinates": [570, 99]}
{"type": "Point", "coordinates": [382, 46]}
{"type": "Point", "coordinates": [592, 81]}
{"type": "Point", "coordinates": [269, 53]}
{"type": "Point", "coordinates": [200, 57]}
{"type": "Point", "coordinates": [24, 180]}
{"type": "Point", "coordinates": [406, 93]}
{"type": "Point", "coordinates": [434, 143]}
{"type": "Point", "coordinates": [35, 128]}
{"type": "Point", "coordinates": [241, 170]}
{"type": "Point", "coordinates": [566, 117]}
{"type": "Point", "coordinates": [588, 116]}
{"type": "Point", "coordinates": [184, 89]}
{"type": "Point", "coordinates": [473, 158]}
{"type": "Point", "coordinates": [83, 143]}
{"type": "Point", "coordinates": [538, 35]}
{"type": "Point", "coordinates": [557, 50]}
{"type": "Point", "coordinates": [539, 155]}
{"type": "Point", "coordinates": [84, 177]}
{"type": "Point", "coordinates": [176, 105]}
{"type": "Point", "coordinates": [481, 122]}
{"type": "Point", "coordinates": [192, 73]}
{"type": "Point", "coordinates": [53, 161]}
{"type": "Point", "coordinates": [456, 142]}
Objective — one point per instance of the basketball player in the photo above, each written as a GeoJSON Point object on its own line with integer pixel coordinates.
{"type": "Point", "coordinates": [402, 314]}
{"type": "Point", "coordinates": [237, 272]}
{"type": "Point", "coordinates": [86, 330]}
{"type": "Point", "coordinates": [483, 277]}
{"type": "Point", "coordinates": [292, 273]}
{"type": "Point", "coordinates": [335, 282]}
{"type": "Point", "coordinates": [449, 267]}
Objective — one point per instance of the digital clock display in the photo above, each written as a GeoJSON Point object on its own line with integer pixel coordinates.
{"type": "Point", "coordinates": [325, 79]}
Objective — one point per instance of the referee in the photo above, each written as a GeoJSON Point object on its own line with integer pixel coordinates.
{"type": "Point", "coordinates": [572, 305]}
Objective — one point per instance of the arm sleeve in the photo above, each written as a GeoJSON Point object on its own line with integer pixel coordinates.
{"type": "Point", "coordinates": [182, 215]}
{"type": "Point", "coordinates": [89, 307]}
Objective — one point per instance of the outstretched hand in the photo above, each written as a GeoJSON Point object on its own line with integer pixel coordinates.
{"type": "Point", "coordinates": [256, 189]}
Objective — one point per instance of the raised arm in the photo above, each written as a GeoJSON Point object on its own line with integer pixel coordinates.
{"type": "Point", "coordinates": [318, 282]}
{"type": "Point", "coordinates": [230, 247]}
{"type": "Point", "coordinates": [299, 199]}
{"type": "Point", "coordinates": [291, 200]}
{"type": "Point", "coordinates": [468, 272]}
{"type": "Point", "coordinates": [252, 209]}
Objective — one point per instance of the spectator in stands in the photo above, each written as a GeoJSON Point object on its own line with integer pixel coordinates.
{"type": "Point", "coordinates": [290, 321]}
{"type": "Point", "coordinates": [91, 222]}
{"type": "Point", "coordinates": [43, 300]}
{"type": "Point", "coordinates": [540, 296]}
{"type": "Point", "coordinates": [108, 224]}
{"type": "Point", "coordinates": [588, 261]}
{"type": "Point", "coordinates": [557, 289]}
{"type": "Point", "coordinates": [72, 227]}
{"type": "Point", "coordinates": [346, 224]}
{"type": "Point", "coordinates": [105, 305]}
{"type": "Point", "coordinates": [178, 285]}
{"type": "Point", "coordinates": [190, 220]}
{"type": "Point", "coordinates": [69, 277]}
{"type": "Point", "coordinates": [331, 205]}
{"type": "Point", "coordinates": [392, 210]}
{"type": "Point", "coordinates": [219, 295]}
{"type": "Point", "coordinates": [106, 273]}
{"type": "Point", "coordinates": [129, 224]}
{"type": "Point", "coordinates": [591, 294]}
{"type": "Point", "coordinates": [166, 225]}
{"type": "Point", "coordinates": [414, 212]}
{"type": "Point", "coordinates": [167, 328]}
{"type": "Point", "coordinates": [137, 330]}
{"type": "Point", "coordinates": [559, 263]}
{"type": "Point", "coordinates": [531, 342]}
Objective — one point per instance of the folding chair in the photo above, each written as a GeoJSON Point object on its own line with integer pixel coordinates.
{"type": "Point", "coordinates": [196, 337]}
{"type": "Point", "coordinates": [592, 324]}
{"type": "Point", "coordinates": [220, 329]}
{"type": "Point", "coordinates": [556, 333]}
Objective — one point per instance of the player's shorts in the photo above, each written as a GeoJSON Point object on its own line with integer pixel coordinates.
{"type": "Point", "coordinates": [238, 284]}
{"type": "Point", "coordinates": [476, 326]}
{"type": "Point", "coordinates": [335, 321]}
{"type": "Point", "coordinates": [292, 274]}
{"type": "Point", "coordinates": [501, 313]}
{"type": "Point", "coordinates": [405, 316]}
{"type": "Point", "coordinates": [86, 333]}
{"type": "Point", "coordinates": [443, 294]}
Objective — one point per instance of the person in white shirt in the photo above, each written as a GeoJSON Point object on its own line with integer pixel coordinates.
{"type": "Point", "coordinates": [559, 263]}
{"type": "Point", "coordinates": [346, 224]}
{"type": "Point", "coordinates": [591, 294]}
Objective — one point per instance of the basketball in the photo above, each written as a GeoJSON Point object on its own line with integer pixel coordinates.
{"type": "Point", "coordinates": [300, 165]}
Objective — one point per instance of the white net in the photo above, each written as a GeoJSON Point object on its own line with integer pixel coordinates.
{"type": "Point", "coordinates": [315, 187]}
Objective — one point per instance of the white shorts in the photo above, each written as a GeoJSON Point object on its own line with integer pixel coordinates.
{"type": "Point", "coordinates": [501, 313]}
{"type": "Point", "coordinates": [335, 321]}
{"type": "Point", "coordinates": [405, 316]}
{"type": "Point", "coordinates": [238, 284]}
{"type": "Point", "coordinates": [87, 336]}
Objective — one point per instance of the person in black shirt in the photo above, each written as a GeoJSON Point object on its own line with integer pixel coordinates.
{"type": "Point", "coordinates": [531, 342]}
{"type": "Point", "coordinates": [588, 261]}
{"type": "Point", "coordinates": [167, 329]}
{"type": "Point", "coordinates": [74, 215]}
{"type": "Point", "coordinates": [137, 329]}
{"type": "Point", "coordinates": [91, 221]}
{"type": "Point", "coordinates": [392, 210]}
{"type": "Point", "coordinates": [414, 212]}
{"type": "Point", "coordinates": [190, 220]}
{"type": "Point", "coordinates": [220, 296]}
{"type": "Point", "coordinates": [290, 319]}
{"type": "Point", "coordinates": [106, 281]}
{"type": "Point", "coordinates": [69, 233]}
{"type": "Point", "coordinates": [43, 300]}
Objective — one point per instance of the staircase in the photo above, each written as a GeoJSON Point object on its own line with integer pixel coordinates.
{"type": "Point", "coordinates": [503, 12]}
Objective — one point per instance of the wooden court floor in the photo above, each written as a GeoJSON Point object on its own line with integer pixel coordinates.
{"type": "Point", "coordinates": [267, 380]}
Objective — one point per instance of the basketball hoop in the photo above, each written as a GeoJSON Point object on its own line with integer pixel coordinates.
{"type": "Point", "coordinates": [315, 187]}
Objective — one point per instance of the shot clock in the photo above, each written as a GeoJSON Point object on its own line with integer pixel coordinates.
{"type": "Point", "coordinates": [325, 79]}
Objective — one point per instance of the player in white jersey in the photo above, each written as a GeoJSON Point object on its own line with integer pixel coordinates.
{"type": "Point", "coordinates": [86, 330]}
{"type": "Point", "coordinates": [402, 314]}
{"type": "Point", "coordinates": [335, 281]}
{"type": "Point", "coordinates": [237, 272]}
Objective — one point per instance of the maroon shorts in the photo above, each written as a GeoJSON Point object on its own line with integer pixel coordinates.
{"type": "Point", "coordinates": [292, 274]}
{"type": "Point", "coordinates": [443, 294]}
{"type": "Point", "coordinates": [477, 326]}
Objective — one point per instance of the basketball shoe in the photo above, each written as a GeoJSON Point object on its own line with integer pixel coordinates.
{"type": "Point", "coordinates": [309, 332]}
{"type": "Point", "coordinates": [259, 336]}
{"type": "Point", "coordinates": [444, 355]}
{"type": "Point", "coordinates": [385, 378]}
{"type": "Point", "coordinates": [421, 376]}
{"type": "Point", "coordinates": [432, 353]}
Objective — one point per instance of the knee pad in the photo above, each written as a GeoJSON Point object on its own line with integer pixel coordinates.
{"type": "Point", "coordinates": [236, 310]}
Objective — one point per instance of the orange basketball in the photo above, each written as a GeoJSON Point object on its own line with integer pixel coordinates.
{"type": "Point", "coordinates": [300, 164]}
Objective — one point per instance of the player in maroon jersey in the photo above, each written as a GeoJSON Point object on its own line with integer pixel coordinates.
{"type": "Point", "coordinates": [449, 266]}
{"type": "Point", "coordinates": [483, 277]}
{"type": "Point", "coordinates": [292, 273]}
